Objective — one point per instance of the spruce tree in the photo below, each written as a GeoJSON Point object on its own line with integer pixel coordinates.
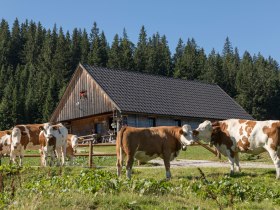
{"type": "Point", "coordinates": [213, 72]}
{"type": "Point", "coordinates": [29, 53]}
{"type": "Point", "coordinates": [4, 42]}
{"type": "Point", "coordinates": [8, 106]}
{"type": "Point", "coordinates": [178, 53]}
{"type": "Point", "coordinates": [230, 67]}
{"type": "Point", "coordinates": [95, 57]}
{"type": "Point", "coordinates": [16, 45]}
{"type": "Point", "coordinates": [50, 103]}
{"type": "Point", "coordinates": [104, 50]}
{"type": "Point", "coordinates": [141, 51]}
{"type": "Point", "coordinates": [85, 47]}
{"type": "Point", "coordinates": [245, 80]}
{"type": "Point", "coordinates": [114, 60]}
{"type": "Point", "coordinates": [126, 52]}
{"type": "Point", "coordinates": [192, 62]}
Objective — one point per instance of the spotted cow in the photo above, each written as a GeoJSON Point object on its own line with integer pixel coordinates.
{"type": "Point", "coordinates": [145, 144]}
{"type": "Point", "coordinates": [23, 135]}
{"type": "Point", "coordinates": [72, 143]}
{"type": "Point", "coordinates": [235, 135]}
{"type": "Point", "coordinates": [5, 143]}
{"type": "Point", "coordinates": [53, 141]}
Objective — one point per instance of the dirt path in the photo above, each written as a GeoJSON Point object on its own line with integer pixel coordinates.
{"type": "Point", "coordinates": [206, 163]}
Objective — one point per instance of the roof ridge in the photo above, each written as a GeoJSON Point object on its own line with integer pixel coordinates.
{"type": "Point", "coordinates": [149, 74]}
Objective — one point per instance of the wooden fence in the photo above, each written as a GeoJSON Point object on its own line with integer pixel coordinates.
{"type": "Point", "coordinates": [90, 142]}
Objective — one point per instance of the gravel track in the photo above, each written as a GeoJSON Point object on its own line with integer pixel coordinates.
{"type": "Point", "coordinates": [206, 163]}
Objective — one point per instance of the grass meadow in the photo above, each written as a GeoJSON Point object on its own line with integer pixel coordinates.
{"type": "Point", "coordinates": [78, 187]}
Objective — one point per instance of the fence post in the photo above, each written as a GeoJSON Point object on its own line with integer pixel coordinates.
{"type": "Point", "coordinates": [90, 154]}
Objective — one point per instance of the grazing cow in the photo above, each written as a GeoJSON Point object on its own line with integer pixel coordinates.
{"type": "Point", "coordinates": [145, 144]}
{"type": "Point", "coordinates": [55, 140]}
{"type": "Point", "coordinates": [234, 135]}
{"type": "Point", "coordinates": [72, 143]}
{"type": "Point", "coordinates": [23, 135]}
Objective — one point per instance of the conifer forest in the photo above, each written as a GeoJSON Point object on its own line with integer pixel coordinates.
{"type": "Point", "coordinates": [36, 64]}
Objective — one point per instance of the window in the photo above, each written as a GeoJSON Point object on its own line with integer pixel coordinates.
{"type": "Point", "coordinates": [98, 128]}
{"type": "Point", "coordinates": [124, 120]}
{"type": "Point", "coordinates": [152, 121]}
{"type": "Point", "coordinates": [178, 123]}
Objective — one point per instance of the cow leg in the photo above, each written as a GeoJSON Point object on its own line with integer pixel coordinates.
{"type": "Point", "coordinates": [13, 157]}
{"type": "Point", "coordinates": [166, 160]}
{"type": "Point", "coordinates": [21, 156]}
{"type": "Point", "coordinates": [275, 156]}
{"type": "Point", "coordinates": [236, 160]}
{"type": "Point", "coordinates": [231, 157]}
{"type": "Point", "coordinates": [129, 164]}
{"type": "Point", "coordinates": [119, 163]}
{"type": "Point", "coordinates": [52, 157]}
{"type": "Point", "coordinates": [58, 156]}
{"type": "Point", "coordinates": [119, 166]}
{"type": "Point", "coordinates": [71, 158]}
{"type": "Point", "coordinates": [20, 160]}
{"type": "Point", "coordinates": [231, 162]}
{"type": "Point", "coordinates": [63, 158]}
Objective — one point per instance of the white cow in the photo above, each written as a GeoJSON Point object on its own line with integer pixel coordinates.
{"type": "Point", "coordinates": [55, 137]}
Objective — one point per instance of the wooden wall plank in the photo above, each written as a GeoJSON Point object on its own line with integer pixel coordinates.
{"type": "Point", "coordinates": [73, 107]}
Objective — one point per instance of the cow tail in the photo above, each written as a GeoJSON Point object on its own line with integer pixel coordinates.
{"type": "Point", "coordinates": [120, 137]}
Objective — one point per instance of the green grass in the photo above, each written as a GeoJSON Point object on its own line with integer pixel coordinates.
{"type": "Point", "coordinates": [80, 188]}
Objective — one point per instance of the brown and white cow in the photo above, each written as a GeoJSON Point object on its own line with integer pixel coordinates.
{"type": "Point", "coordinates": [145, 144]}
{"type": "Point", "coordinates": [72, 143]}
{"type": "Point", "coordinates": [5, 142]}
{"type": "Point", "coordinates": [23, 135]}
{"type": "Point", "coordinates": [234, 135]}
{"type": "Point", "coordinates": [55, 138]}
{"type": "Point", "coordinates": [47, 148]}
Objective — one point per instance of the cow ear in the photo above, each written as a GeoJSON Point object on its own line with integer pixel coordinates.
{"type": "Point", "coordinates": [8, 132]}
{"type": "Point", "coordinates": [216, 129]}
{"type": "Point", "coordinates": [55, 127]}
{"type": "Point", "coordinates": [41, 128]}
{"type": "Point", "coordinates": [216, 123]}
{"type": "Point", "coordinates": [181, 131]}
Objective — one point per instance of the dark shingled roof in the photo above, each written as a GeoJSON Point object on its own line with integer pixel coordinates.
{"type": "Point", "coordinates": [145, 93]}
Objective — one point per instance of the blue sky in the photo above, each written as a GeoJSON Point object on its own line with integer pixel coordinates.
{"type": "Point", "coordinates": [251, 25]}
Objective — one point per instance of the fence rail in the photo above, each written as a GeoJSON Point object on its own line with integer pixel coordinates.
{"type": "Point", "coordinates": [90, 154]}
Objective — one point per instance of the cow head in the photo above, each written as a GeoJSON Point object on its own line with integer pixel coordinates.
{"type": "Point", "coordinates": [204, 131]}
{"type": "Point", "coordinates": [186, 137]}
{"type": "Point", "coordinates": [16, 137]}
{"type": "Point", "coordinates": [48, 132]}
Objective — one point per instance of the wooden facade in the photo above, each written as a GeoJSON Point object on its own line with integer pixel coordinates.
{"type": "Point", "coordinates": [84, 108]}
